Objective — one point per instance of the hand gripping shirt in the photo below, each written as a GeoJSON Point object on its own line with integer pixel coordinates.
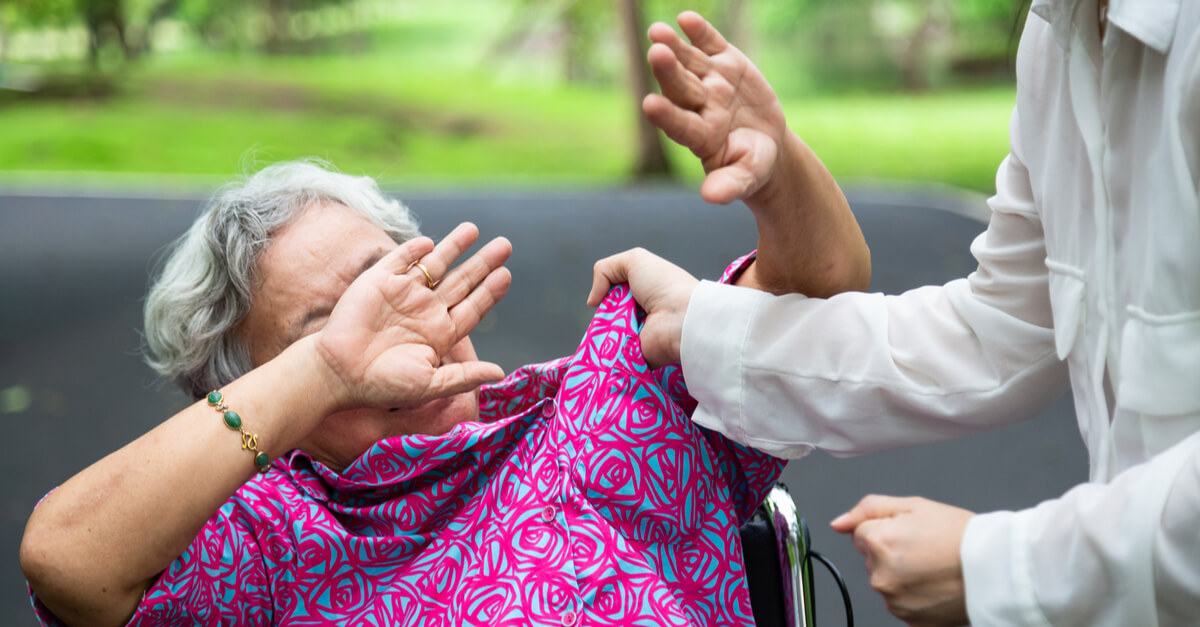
{"type": "Point", "coordinates": [585, 496]}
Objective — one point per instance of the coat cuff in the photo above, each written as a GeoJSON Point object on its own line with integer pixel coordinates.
{"type": "Point", "coordinates": [997, 571]}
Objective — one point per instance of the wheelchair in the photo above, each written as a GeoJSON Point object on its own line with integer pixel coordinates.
{"type": "Point", "coordinates": [779, 556]}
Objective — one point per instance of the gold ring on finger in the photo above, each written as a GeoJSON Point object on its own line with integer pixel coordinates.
{"type": "Point", "coordinates": [428, 277]}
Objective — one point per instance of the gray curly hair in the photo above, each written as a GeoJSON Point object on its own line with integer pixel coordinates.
{"type": "Point", "coordinates": [203, 291]}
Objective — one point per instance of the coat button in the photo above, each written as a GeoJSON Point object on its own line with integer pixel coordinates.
{"type": "Point", "coordinates": [548, 513]}
{"type": "Point", "coordinates": [548, 410]}
{"type": "Point", "coordinates": [569, 618]}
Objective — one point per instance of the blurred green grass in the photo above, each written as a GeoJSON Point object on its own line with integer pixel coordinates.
{"type": "Point", "coordinates": [431, 101]}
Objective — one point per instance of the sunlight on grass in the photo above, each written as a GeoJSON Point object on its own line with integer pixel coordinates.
{"type": "Point", "coordinates": [431, 101]}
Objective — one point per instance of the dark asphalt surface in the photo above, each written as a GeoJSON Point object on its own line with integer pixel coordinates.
{"type": "Point", "coordinates": [73, 387]}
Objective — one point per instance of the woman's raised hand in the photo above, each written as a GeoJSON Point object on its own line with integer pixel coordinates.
{"type": "Point", "coordinates": [387, 340]}
{"type": "Point", "coordinates": [715, 102]}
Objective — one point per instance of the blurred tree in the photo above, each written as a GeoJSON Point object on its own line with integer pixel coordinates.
{"type": "Point", "coordinates": [161, 11]}
{"type": "Point", "coordinates": [583, 26]}
{"type": "Point", "coordinates": [104, 20]}
{"type": "Point", "coordinates": [651, 158]}
{"type": "Point", "coordinates": [577, 27]}
{"type": "Point", "coordinates": [40, 12]}
{"type": "Point", "coordinates": [911, 44]}
{"type": "Point", "coordinates": [216, 21]}
{"type": "Point", "coordinates": [108, 22]}
{"type": "Point", "coordinates": [6, 19]}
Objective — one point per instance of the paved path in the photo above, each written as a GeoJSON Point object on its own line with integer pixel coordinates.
{"type": "Point", "coordinates": [73, 388]}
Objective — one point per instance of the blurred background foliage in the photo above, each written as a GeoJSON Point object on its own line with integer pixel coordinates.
{"type": "Point", "coordinates": [482, 91]}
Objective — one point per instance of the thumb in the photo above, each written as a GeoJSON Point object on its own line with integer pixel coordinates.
{"type": "Point", "coordinates": [748, 162]}
{"type": "Point", "coordinates": [456, 378]}
{"type": "Point", "coordinates": [608, 272]}
{"type": "Point", "coordinates": [869, 508]}
{"type": "Point", "coordinates": [726, 185]}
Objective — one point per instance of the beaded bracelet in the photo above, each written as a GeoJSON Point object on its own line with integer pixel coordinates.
{"type": "Point", "coordinates": [234, 422]}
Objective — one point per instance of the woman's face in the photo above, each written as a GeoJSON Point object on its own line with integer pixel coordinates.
{"type": "Point", "coordinates": [303, 272]}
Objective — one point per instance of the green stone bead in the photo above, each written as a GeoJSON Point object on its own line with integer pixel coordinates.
{"type": "Point", "coordinates": [233, 420]}
{"type": "Point", "coordinates": [214, 398]}
{"type": "Point", "coordinates": [262, 461]}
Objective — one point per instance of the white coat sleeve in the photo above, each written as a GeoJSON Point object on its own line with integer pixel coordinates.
{"type": "Point", "coordinates": [1102, 555]}
{"type": "Point", "coordinates": [861, 372]}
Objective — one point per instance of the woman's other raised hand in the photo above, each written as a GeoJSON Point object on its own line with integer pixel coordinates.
{"type": "Point", "coordinates": [715, 102]}
{"type": "Point", "coordinates": [718, 104]}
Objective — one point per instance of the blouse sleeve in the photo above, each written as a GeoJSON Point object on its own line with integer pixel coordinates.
{"type": "Point", "coordinates": [1122, 553]}
{"type": "Point", "coordinates": [220, 579]}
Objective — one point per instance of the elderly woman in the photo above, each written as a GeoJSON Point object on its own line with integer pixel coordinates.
{"type": "Point", "coordinates": [342, 464]}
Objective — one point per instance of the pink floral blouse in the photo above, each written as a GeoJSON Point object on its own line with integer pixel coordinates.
{"type": "Point", "coordinates": [585, 496]}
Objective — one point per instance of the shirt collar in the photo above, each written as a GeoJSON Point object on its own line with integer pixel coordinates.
{"type": "Point", "coordinates": [1150, 21]}
{"type": "Point", "coordinates": [394, 463]}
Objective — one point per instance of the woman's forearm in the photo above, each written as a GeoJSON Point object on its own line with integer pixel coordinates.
{"type": "Point", "coordinates": [95, 544]}
{"type": "Point", "coordinates": [808, 239]}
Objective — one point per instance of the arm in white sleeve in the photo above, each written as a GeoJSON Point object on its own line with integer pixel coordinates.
{"type": "Point", "coordinates": [1124, 553]}
{"type": "Point", "coordinates": [859, 372]}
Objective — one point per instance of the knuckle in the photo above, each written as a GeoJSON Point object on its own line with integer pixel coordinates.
{"type": "Point", "coordinates": [869, 501]}
{"type": "Point", "coordinates": [884, 584]}
{"type": "Point", "coordinates": [874, 539]}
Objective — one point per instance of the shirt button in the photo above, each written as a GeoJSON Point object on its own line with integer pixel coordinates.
{"type": "Point", "coordinates": [569, 618]}
{"type": "Point", "coordinates": [548, 513]}
{"type": "Point", "coordinates": [548, 410]}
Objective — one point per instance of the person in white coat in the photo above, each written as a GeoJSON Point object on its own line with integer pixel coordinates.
{"type": "Point", "coordinates": [1089, 272]}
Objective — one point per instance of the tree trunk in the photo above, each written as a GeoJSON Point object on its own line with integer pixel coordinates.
{"type": "Point", "coordinates": [651, 158]}
{"type": "Point", "coordinates": [277, 13]}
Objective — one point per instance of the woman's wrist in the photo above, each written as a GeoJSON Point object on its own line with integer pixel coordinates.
{"type": "Point", "coordinates": [777, 194]}
{"type": "Point", "coordinates": [808, 239]}
{"type": "Point", "coordinates": [303, 391]}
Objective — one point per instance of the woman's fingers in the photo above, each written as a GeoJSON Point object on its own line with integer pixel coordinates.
{"type": "Point", "coordinates": [459, 377]}
{"type": "Point", "coordinates": [398, 260]}
{"type": "Point", "coordinates": [607, 272]}
{"type": "Point", "coordinates": [454, 287]}
{"type": "Point", "coordinates": [702, 34]}
{"type": "Point", "coordinates": [438, 262]}
{"type": "Point", "coordinates": [678, 84]}
{"type": "Point", "coordinates": [871, 507]}
{"type": "Point", "coordinates": [684, 127]}
{"type": "Point", "coordinates": [660, 287]}
{"type": "Point", "coordinates": [693, 59]}
{"type": "Point", "coordinates": [466, 314]}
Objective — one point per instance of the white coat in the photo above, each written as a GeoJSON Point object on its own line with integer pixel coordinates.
{"type": "Point", "coordinates": [1089, 271]}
